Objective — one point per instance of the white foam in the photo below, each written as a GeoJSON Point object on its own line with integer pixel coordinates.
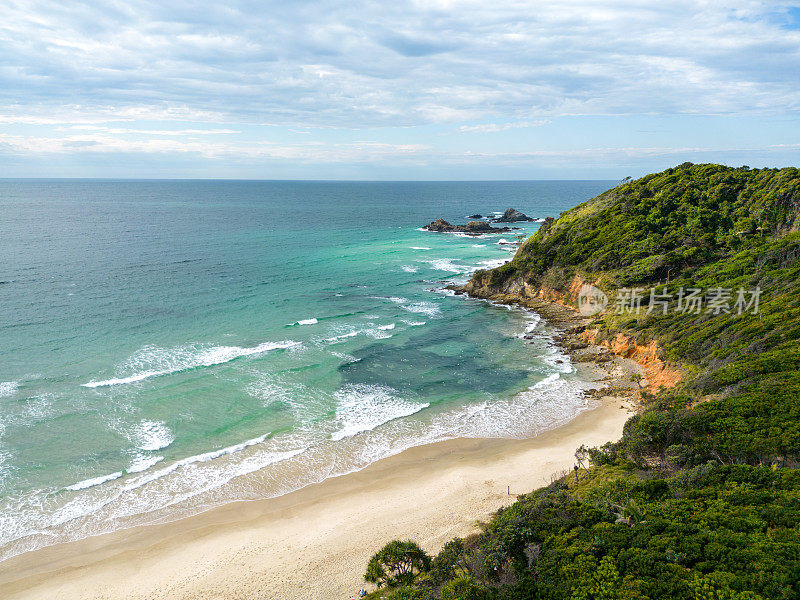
{"type": "Point", "coordinates": [364, 407]}
{"type": "Point", "coordinates": [533, 324]}
{"type": "Point", "coordinates": [446, 264]}
{"type": "Point", "coordinates": [504, 242]}
{"type": "Point", "coordinates": [492, 263]}
{"type": "Point", "coordinates": [379, 332]}
{"type": "Point", "coordinates": [340, 338]}
{"type": "Point", "coordinates": [308, 322]}
{"type": "Point", "coordinates": [87, 483]}
{"type": "Point", "coordinates": [443, 291]}
{"type": "Point", "coordinates": [143, 462]}
{"type": "Point", "coordinates": [414, 323]}
{"type": "Point", "coordinates": [245, 466]}
{"type": "Point", "coordinates": [409, 269]}
{"type": "Point", "coordinates": [420, 248]}
{"type": "Point", "coordinates": [541, 407]}
{"type": "Point", "coordinates": [8, 388]}
{"type": "Point", "coordinates": [468, 235]}
{"type": "Point", "coordinates": [151, 435]}
{"type": "Point", "coordinates": [428, 309]}
{"type": "Point", "coordinates": [197, 458]}
{"type": "Point", "coordinates": [167, 361]}
{"type": "Point", "coordinates": [547, 381]}
{"type": "Point", "coordinates": [206, 456]}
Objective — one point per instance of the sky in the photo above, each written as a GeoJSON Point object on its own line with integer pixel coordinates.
{"type": "Point", "coordinates": [429, 89]}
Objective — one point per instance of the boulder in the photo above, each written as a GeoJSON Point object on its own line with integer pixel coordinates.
{"type": "Point", "coordinates": [440, 225]}
{"type": "Point", "coordinates": [475, 216]}
{"type": "Point", "coordinates": [513, 216]}
{"type": "Point", "coordinates": [479, 227]}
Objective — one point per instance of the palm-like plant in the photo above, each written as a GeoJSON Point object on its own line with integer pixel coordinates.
{"type": "Point", "coordinates": [397, 563]}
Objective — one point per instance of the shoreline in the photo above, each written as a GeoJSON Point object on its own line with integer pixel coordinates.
{"type": "Point", "coordinates": [315, 542]}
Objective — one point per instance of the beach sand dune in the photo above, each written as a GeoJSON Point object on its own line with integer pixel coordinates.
{"type": "Point", "coordinates": [313, 543]}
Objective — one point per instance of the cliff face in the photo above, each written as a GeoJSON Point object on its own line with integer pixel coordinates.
{"type": "Point", "coordinates": [659, 374]}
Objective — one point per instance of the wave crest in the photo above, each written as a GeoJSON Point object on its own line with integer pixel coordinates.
{"type": "Point", "coordinates": [157, 361]}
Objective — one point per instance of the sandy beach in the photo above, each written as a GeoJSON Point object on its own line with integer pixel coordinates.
{"type": "Point", "coordinates": [313, 543]}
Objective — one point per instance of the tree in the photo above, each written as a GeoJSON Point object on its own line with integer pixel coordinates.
{"type": "Point", "coordinates": [637, 379]}
{"type": "Point", "coordinates": [449, 562]}
{"type": "Point", "coordinates": [397, 563]}
{"type": "Point", "coordinates": [463, 588]}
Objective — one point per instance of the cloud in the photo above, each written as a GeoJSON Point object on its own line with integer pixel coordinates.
{"type": "Point", "coordinates": [301, 81]}
{"type": "Point", "coordinates": [495, 127]}
{"type": "Point", "coordinates": [308, 152]}
{"type": "Point", "coordinates": [372, 64]}
{"type": "Point", "coordinates": [362, 151]}
{"type": "Point", "coordinates": [125, 130]}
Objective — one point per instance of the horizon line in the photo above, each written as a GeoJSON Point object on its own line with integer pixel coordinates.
{"type": "Point", "coordinates": [290, 180]}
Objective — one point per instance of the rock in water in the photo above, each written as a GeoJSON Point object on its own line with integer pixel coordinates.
{"type": "Point", "coordinates": [478, 226]}
{"type": "Point", "coordinates": [475, 216]}
{"type": "Point", "coordinates": [440, 225]}
{"type": "Point", "coordinates": [473, 227]}
{"type": "Point", "coordinates": [513, 216]}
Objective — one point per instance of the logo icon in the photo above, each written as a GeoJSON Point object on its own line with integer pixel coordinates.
{"type": "Point", "coordinates": [591, 300]}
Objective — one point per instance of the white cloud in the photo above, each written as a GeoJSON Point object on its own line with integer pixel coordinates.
{"type": "Point", "coordinates": [365, 64]}
{"type": "Point", "coordinates": [124, 130]}
{"type": "Point", "coordinates": [315, 152]}
{"type": "Point", "coordinates": [181, 79]}
{"type": "Point", "coordinates": [495, 127]}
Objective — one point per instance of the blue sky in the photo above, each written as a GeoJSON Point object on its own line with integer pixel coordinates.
{"type": "Point", "coordinates": [434, 89]}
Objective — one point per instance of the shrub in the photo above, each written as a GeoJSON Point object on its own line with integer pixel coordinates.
{"type": "Point", "coordinates": [397, 563]}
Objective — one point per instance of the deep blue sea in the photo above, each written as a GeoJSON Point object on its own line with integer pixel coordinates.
{"type": "Point", "coordinates": [169, 346]}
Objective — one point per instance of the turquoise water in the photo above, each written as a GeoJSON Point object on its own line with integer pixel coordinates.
{"type": "Point", "coordinates": [166, 347]}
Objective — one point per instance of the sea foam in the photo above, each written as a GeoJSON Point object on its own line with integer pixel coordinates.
{"type": "Point", "coordinates": [151, 435]}
{"type": "Point", "coordinates": [163, 361]}
{"type": "Point", "coordinates": [8, 388]}
{"type": "Point", "coordinates": [87, 483]}
{"type": "Point", "coordinates": [364, 407]}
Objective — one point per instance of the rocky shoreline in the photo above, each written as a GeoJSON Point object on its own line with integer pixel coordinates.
{"type": "Point", "coordinates": [619, 377]}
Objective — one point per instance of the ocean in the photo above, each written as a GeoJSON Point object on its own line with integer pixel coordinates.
{"type": "Point", "coordinates": [170, 346]}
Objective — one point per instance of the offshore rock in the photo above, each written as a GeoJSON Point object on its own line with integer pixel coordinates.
{"type": "Point", "coordinates": [513, 216]}
{"type": "Point", "coordinates": [471, 228]}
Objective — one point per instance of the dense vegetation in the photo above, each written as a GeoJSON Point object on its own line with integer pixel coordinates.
{"type": "Point", "coordinates": [701, 497]}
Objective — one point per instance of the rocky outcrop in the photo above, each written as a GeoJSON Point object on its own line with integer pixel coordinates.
{"type": "Point", "coordinates": [513, 216]}
{"type": "Point", "coordinates": [475, 216]}
{"type": "Point", "coordinates": [471, 228]}
{"type": "Point", "coordinates": [579, 332]}
{"type": "Point", "coordinates": [657, 373]}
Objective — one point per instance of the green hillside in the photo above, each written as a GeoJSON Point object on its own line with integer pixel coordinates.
{"type": "Point", "coordinates": [701, 497]}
